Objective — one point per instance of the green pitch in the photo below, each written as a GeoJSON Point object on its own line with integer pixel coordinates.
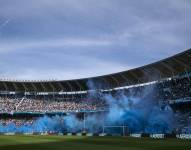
{"type": "Point", "coordinates": [89, 143]}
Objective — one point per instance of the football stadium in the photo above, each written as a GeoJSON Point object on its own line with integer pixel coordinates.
{"type": "Point", "coordinates": [125, 108]}
{"type": "Point", "coordinates": [95, 75]}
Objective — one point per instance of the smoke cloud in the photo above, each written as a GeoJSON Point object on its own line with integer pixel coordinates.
{"type": "Point", "coordinates": [140, 114]}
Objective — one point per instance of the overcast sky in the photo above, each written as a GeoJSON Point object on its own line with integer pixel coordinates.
{"type": "Point", "coordinates": [69, 39]}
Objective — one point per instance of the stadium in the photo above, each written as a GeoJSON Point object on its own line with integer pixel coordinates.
{"type": "Point", "coordinates": [152, 101]}
{"type": "Point", "coordinates": [95, 75]}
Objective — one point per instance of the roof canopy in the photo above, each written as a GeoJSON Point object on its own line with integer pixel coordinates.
{"type": "Point", "coordinates": [169, 67]}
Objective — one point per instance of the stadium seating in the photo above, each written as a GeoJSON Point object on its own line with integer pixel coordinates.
{"type": "Point", "coordinates": [173, 91]}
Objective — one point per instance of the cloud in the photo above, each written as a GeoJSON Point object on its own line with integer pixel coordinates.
{"type": "Point", "coordinates": [61, 37]}
{"type": "Point", "coordinates": [50, 43]}
{"type": "Point", "coordinates": [4, 23]}
{"type": "Point", "coordinates": [97, 68]}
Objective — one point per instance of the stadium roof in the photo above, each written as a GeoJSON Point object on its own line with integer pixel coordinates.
{"type": "Point", "coordinates": [169, 67]}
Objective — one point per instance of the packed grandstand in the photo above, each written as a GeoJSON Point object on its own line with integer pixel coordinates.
{"type": "Point", "coordinates": [166, 84]}
{"type": "Point", "coordinates": [170, 90]}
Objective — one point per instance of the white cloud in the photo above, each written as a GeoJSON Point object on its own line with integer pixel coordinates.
{"type": "Point", "coordinates": [8, 46]}
{"type": "Point", "coordinates": [4, 24]}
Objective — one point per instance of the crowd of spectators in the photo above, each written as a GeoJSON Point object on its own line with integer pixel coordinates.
{"type": "Point", "coordinates": [170, 89]}
{"type": "Point", "coordinates": [176, 88]}
{"type": "Point", "coordinates": [16, 121]}
{"type": "Point", "coordinates": [9, 105]}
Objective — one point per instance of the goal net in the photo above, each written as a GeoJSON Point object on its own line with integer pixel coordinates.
{"type": "Point", "coordinates": [116, 130]}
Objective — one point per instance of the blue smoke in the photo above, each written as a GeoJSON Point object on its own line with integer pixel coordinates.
{"type": "Point", "coordinates": [139, 114]}
{"type": "Point", "coordinates": [43, 124]}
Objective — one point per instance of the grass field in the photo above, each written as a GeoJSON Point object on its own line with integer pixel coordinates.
{"type": "Point", "coordinates": [89, 143]}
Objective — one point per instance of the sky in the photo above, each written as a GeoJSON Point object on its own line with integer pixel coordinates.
{"type": "Point", "coordinates": [70, 39]}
